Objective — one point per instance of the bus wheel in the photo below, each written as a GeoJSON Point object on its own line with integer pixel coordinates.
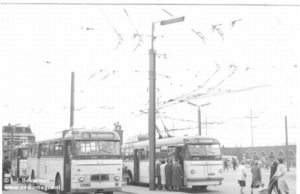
{"type": "Point", "coordinates": [129, 179]}
{"type": "Point", "coordinates": [57, 188]}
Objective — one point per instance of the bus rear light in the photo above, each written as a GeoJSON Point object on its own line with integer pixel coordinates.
{"type": "Point", "coordinates": [117, 184]}
{"type": "Point", "coordinates": [193, 171]}
{"type": "Point", "coordinates": [81, 179]}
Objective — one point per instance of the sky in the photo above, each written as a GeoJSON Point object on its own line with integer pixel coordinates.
{"type": "Point", "coordinates": [249, 61]}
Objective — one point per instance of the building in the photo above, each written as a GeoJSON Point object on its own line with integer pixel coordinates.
{"type": "Point", "coordinates": [262, 152]}
{"type": "Point", "coordinates": [21, 135]}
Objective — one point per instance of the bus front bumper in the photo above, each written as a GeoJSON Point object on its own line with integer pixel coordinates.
{"type": "Point", "coordinates": [88, 190]}
{"type": "Point", "coordinates": [190, 182]}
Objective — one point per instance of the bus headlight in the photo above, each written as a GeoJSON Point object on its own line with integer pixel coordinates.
{"type": "Point", "coordinates": [24, 170]}
{"type": "Point", "coordinates": [193, 171]}
{"type": "Point", "coordinates": [221, 170]}
{"type": "Point", "coordinates": [117, 178]}
{"type": "Point", "coordinates": [81, 179]}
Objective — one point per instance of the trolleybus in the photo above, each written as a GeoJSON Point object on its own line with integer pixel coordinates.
{"type": "Point", "coordinates": [19, 162]}
{"type": "Point", "coordinates": [79, 160]}
{"type": "Point", "coordinates": [199, 156]}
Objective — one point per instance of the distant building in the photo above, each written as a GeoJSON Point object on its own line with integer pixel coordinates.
{"type": "Point", "coordinates": [21, 135]}
{"type": "Point", "coordinates": [262, 152]}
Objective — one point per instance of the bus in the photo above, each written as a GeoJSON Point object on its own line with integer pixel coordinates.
{"type": "Point", "coordinates": [19, 162]}
{"type": "Point", "coordinates": [76, 161]}
{"type": "Point", "coordinates": [200, 158]}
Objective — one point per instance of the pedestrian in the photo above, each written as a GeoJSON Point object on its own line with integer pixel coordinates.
{"type": "Point", "coordinates": [234, 163]}
{"type": "Point", "coordinates": [158, 176]}
{"type": "Point", "coordinates": [267, 165]}
{"type": "Point", "coordinates": [176, 175]}
{"type": "Point", "coordinates": [242, 176]}
{"type": "Point", "coordinates": [256, 176]}
{"type": "Point", "coordinates": [163, 174]}
{"type": "Point", "coordinates": [280, 176]}
{"type": "Point", "coordinates": [262, 189]}
{"type": "Point", "coordinates": [6, 166]}
{"type": "Point", "coordinates": [225, 164]}
{"type": "Point", "coordinates": [273, 183]}
{"type": "Point", "coordinates": [168, 173]}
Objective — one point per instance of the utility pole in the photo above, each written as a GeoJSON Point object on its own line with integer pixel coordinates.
{"type": "Point", "coordinates": [199, 120]}
{"type": "Point", "coordinates": [11, 142]}
{"type": "Point", "coordinates": [286, 145]}
{"type": "Point", "coordinates": [72, 100]}
{"type": "Point", "coordinates": [206, 125]}
{"type": "Point", "coordinates": [251, 117]}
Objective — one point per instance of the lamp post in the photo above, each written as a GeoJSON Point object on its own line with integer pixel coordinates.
{"type": "Point", "coordinates": [199, 114]}
{"type": "Point", "coordinates": [12, 139]}
{"type": "Point", "coordinates": [152, 113]}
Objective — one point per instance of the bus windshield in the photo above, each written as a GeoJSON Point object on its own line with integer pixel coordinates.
{"type": "Point", "coordinates": [97, 148]}
{"type": "Point", "coordinates": [197, 151]}
{"type": "Point", "coordinates": [24, 153]}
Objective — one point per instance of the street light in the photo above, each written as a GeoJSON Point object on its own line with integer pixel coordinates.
{"type": "Point", "coordinates": [199, 114]}
{"type": "Point", "coordinates": [12, 139]}
{"type": "Point", "coordinates": [152, 113]}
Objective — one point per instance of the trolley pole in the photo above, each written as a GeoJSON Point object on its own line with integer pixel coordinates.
{"type": "Point", "coordinates": [286, 145]}
{"type": "Point", "coordinates": [72, 100]}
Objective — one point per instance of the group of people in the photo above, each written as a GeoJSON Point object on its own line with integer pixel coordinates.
{"type": "Point", "coordinates": [168, 175]}
{"type": "Point", "coordinates": [277, 181]}
{"type": "Point", "coordinates": [225, 164]}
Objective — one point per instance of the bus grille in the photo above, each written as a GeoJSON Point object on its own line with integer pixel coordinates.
{"type": "Point", "coordinates": [100, 177]}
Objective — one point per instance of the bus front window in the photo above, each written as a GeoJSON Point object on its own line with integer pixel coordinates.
{"type": "Point", "coordinates": [198, 152]}
{"type": "Point", "coordinates": [24, 153]}
{"type": "Point", "coordinates": [97, 148]}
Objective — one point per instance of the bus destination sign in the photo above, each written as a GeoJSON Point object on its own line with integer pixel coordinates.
{"type": "Point", "coordinates": [102, 135]}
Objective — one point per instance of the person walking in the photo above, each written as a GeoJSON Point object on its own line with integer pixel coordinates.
{"type": "Point", "coordinates": [280, 176]}
{"type": "Point", "coordinates": [225, 164]}
{"type": "Point", "coordinates": [6, 165]}
{"type": "Point", "coordinates": [168, 173]}
{"type": "Point", "coordinates": [273, 183]}
{"type": "Point", "coordinates": [157, 174]}
{"type": "Point", "coordinates": [234, 163]}
{"type": "Point", "coordinates": [176, 175]}
{"type": "Point", "coordinates": [242, 176]}
{"type": "Point", "coordinates": [256, 176]}
{"type": "Point", "coordinates": [163, 174]}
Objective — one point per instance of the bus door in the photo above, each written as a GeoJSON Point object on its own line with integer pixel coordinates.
{"type": "Point", "coordinates": [18, 162]}
{"type": "Point", "coordinates": [38, 171]}
{"type": "Point", "coordinates": [67, 166]}
{"type": "Point", "coordinates": [179, 153]}
{"type": "Point", "coordinates": [136, 166]}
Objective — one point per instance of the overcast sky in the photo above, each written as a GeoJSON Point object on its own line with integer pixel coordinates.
{"type": "Point", "coordinates": [108, 49]}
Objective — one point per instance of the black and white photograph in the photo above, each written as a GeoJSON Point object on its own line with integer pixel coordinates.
{"type": "Point", "coordinates": [150, 96]}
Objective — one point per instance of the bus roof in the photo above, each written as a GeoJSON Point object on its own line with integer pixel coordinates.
{"type": "Point", "coordinates": [23, 145]}
{"type": "Point", "coordinates": [173, 141]}
{"type": "Point", "coordinates": [84, 134]}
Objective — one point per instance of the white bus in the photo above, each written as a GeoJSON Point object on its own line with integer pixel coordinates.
{"type": "Point", "coordinates": [200, 159]}
{"type": "Point", "coordinates": [80, 160]}
{"type": "Point", "coordinates": [19, 163]}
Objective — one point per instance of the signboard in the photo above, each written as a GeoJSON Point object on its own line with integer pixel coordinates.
{"type": "Point", "coordinates": [100, 135]}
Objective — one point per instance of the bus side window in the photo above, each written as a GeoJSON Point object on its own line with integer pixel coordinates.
{"type": "Point", "coordinates": [143, 154]}
{"type": "Point", "coordinates": [171, 152]}
{"type": "Point", "coordinates": [130, 154]}
{"type": "Point", "coordinates": [51, 150]}
{"type": "Point", "coordinates": [43, 150]}
{"type": "Point", "coordinates": [163, 152]}
{"type": "Point", "coordinates": [157, 153]}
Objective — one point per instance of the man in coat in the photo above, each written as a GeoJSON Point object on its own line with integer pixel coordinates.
{"type": "Point", "coordinates": [157, 174]}
{"type": "Point", "coordinates": [177, 175]}
{"type": "Point", "coordinates": [273, 184]}
{"type": "Point", "coordinates": [168, 170]}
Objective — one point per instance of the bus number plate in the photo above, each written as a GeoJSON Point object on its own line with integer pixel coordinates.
{"type": "Point", "coordinates": [85, 185]}
{"type": "Point", "coordinates": [211, 174]}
